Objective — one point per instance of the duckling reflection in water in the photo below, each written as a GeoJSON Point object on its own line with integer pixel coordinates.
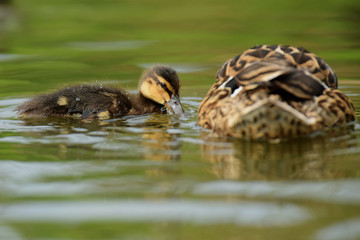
{"type": "Point", "coordinates": [158, 93]}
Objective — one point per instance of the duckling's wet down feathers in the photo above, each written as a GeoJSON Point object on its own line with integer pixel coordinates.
{"type": "Point", "coordinates": [158, 93]}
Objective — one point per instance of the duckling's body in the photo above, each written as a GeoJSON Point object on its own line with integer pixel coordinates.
{"type": "Point", "coordinates": [159, 91]}
{"type": "Point", "coordinates": [274, 91]}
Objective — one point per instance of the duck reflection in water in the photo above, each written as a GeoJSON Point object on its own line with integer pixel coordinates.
{"type": "Point", "coordinates": [304, 158]}
{"type": "Point", "coordinates": [160, 145]}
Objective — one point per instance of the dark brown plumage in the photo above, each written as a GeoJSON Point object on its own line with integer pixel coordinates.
{"type": "Point", "coordinates": [158, 92]}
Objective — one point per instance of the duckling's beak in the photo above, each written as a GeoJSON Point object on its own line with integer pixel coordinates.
{"type": "Point", "coordinates": [174, 105]}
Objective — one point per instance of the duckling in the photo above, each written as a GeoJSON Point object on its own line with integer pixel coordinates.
{"type": "Point", "coordinates": [274, 92]}
{"type": "Point", "coordinates": [158, 93]}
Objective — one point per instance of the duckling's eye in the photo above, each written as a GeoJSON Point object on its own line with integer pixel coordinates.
{"type": "Point", "coordinates": [163, 85]}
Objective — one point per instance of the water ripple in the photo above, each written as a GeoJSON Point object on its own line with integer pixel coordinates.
{"type": "Point", "coordinates": [345, 192]}
{"type": "Point", "coordinates": [241, 213]}
{"type": "Point", "coordinates": [349, 230]}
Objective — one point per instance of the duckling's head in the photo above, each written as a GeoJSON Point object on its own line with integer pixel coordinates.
{"type": "Point", "coordinates": [161, 84]}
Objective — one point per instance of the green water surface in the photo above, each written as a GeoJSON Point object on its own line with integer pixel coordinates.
{"type": "Point", "coordinates": [160, 176]}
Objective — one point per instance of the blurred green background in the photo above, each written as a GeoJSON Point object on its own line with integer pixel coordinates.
{"type": "Point", "coordinates": [61, 42]}
{"type": "Point", "coordinates": [47, 44]}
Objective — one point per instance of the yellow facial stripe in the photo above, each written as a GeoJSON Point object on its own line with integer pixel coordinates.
{"type": "Point", "coordinates": [161, 79]}
{"type": "Point", "coordinates": [150, 90]}
{"type": "Point", "coordinates": [62, 101]}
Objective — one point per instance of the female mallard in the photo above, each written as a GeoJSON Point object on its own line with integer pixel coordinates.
{"type": "Point", "coordinates": [274, 91]}
{"type": "Point", "coordinates": [158, 92]}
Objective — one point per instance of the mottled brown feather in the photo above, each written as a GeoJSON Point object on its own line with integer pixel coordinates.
{"type": "Point", "coordinates": [274, 91]}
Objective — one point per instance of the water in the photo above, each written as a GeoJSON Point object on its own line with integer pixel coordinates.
{"type": "Point", "coordinates": [160, 176]}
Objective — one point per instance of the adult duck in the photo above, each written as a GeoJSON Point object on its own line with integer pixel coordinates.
{"type": "Point", "coordinates": [274, 91]}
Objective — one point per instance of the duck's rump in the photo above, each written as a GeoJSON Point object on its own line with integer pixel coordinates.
{"type": "Point", "coordinates": [85, 101]}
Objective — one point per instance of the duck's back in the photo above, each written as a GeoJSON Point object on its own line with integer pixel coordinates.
{"type": "Point", "coordinates": [274, 91]}
{"type": "Point", "coordinates": [85, 101]}
{"type": "Point", "coordinates": [287, 56]}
